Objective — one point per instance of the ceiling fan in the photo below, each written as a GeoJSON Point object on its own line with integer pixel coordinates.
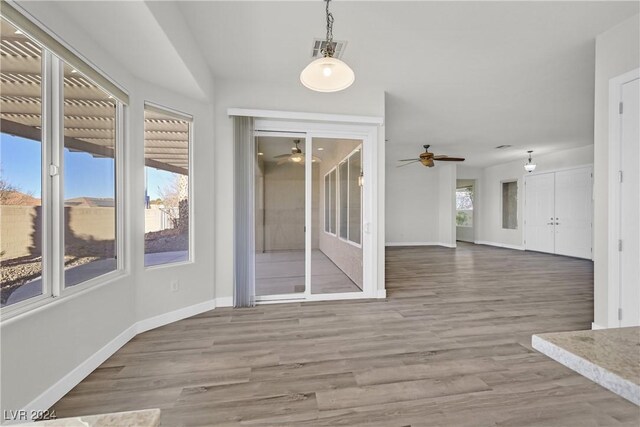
{"type": "Point", "coordinates": [296, 156]}
{"type": "Point", "coordinates": [427, 158]}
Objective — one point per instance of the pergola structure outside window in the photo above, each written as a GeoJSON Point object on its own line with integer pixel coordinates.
{"type": "Point", "coordinates": [61, 169]}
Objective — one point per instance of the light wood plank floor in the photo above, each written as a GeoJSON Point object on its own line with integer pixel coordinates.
{"type": "Point", "coordinates": [449, 347]}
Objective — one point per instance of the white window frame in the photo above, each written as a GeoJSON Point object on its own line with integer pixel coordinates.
{"type": "Point", "coordinates": [472, 207]}
{"type": "Point", "coordinates": [334, 193]}
{"type": "Point", "coordinates": [189, 119]}
{"type": "Point", "coordinates": [348, 240]}
{"type": "Point", "coordinates": [52, 141]}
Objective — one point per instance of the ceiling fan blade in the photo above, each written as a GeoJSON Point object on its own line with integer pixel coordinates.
{"type": "Point", "coordinates": [449, 159]}
{"type": "Point", "coordinates": [409, 163]}
{"type": "Point", "coordinates": [282, 156]}
{"type": "Point", "coordinates": [409, 160]}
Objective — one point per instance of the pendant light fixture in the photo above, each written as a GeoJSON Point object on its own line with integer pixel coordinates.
{"type": "Point", "coordinates": [327, 74]}
{"type": "Point", "coordinates": [529, 167]}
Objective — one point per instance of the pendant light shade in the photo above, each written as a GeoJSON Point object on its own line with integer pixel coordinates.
{"type": "Point", "coordinates": [529, 166]}
{"type": "Point", "coordinates": [327, 75]}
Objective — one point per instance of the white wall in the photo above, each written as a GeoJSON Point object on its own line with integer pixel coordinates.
{"type": "Point", "coordinates": [447, 203]}
{"type": "Point", "coordinates": [489, 225]}
{"type": "Point", "coordinates": [294, 97]}
{"type": "Point", "coordinates": [43, 345]}
{"type": "Point", "coordinates": [412, 192]}
{"type": "Point", "coordinates": [617, 51]}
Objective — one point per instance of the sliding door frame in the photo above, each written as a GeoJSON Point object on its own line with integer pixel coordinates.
{"type": "Point", "coordinates": [366, 132]}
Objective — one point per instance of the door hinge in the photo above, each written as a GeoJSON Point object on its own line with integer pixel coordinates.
{"type": "Point", "coordinates": [620, 245]}
{"type": "Point", "coordinates": [620, 175]}
{"type": "Point", "coordinates": [620, 108]}
{"type": "Point", "coordinates": [619, 314]}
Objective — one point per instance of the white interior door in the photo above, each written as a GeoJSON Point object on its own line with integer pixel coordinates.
{"type": "Point", "coordinates": [539, 213]}
{"type": "Point", "coordinates": [573, 212]}
{"type": "Point", "coordinates": [630, 206]}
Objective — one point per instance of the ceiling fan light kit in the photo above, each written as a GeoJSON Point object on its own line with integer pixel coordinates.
{"type": "Point", "coordinates": [327, 74]}
{"type": "Point", "coordinates": [529, 166]}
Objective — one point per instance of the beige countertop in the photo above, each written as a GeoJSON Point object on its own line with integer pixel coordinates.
{"type": "Point", "coordinates": [609, 357]}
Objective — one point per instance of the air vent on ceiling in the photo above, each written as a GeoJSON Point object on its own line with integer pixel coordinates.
{"type": "Point", "coordinates": [500, 147]}
{"type": "Point", "coordinates": [319, 44]}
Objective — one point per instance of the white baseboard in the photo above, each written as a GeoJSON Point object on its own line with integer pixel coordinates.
{"type": "Point", "coordinates": [173, 316]}
{"type": "Point", "coordinates": [381, 293]}
{"type": "Point", "coordinates": [446, 245]}
{"type": "Point", "coordinates": [54, 393]}
{"type": "Point", "coordinates": [224, 302]}
{"type": "Point", "coordinates": [73, 378]}
{"type": "Point", "coordinates": [595, 326]}
{"type": "Point", "coordinates": [499, 245]}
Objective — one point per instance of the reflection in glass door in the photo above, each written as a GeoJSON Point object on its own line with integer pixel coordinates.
{"type": "Point", "coordinates": [336, 212]}
{"type": "Point", "coordinates": [280, 216]}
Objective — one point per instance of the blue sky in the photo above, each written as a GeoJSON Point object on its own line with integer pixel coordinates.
{"type": "Point", "coordinates": [84, 175]}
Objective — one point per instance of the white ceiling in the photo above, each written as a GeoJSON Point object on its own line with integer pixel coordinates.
{"type": "Point", "coordinates": [462, 76]}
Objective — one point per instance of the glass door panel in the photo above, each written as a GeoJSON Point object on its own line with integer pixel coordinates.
{"type": "Point", "coordinates": [336, 249]}
{"type": "Point", "coordinates": [279, 216]}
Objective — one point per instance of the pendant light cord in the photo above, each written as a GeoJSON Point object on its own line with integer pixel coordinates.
{"type": "Point", "coordinates": [329, 48]}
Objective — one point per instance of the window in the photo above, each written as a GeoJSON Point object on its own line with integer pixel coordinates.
{"type": "Point", "coordinates": [21, 151]}
{"type": "Point", "coordinates": [350, 211]}
{"type": "Point", "coordinates": [510, 205]}
{"type": "Point", "coordinates": [464, 207]}
{"type": "Point", "coordinates": [330, 202]}
{"type": "Point", "coordinates": [355, 196]}
{"type": "Point", "coordinates": [344, 198]}
{"type": "Point", "coordinates": [167, 137]}
{"type": "Point", "coordinates": [59, 167]}
{"type": "Point", "coordinates": [89, 179]}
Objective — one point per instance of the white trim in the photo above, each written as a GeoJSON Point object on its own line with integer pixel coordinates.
{"type": "Point", "coordinates": [613, 226]}
{"type": "Point", "coordinates": [79, 373]}
{"type": "Point", "coordinates": [293, 115]}
{"type": "Point", "coordinates": [224, 302]}
{"type": "Point", "coordinates": [382, 293]}
{"type": "Point", "coordinates": [595, 326]}
{"type": "Point", "coordinates": [500, 245]}
{"type": "Point", "coordinates": [73, 378]}
{"type": "Point", "coordinates": [173, 316]}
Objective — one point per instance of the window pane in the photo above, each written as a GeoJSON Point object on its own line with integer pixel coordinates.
{"type": "Point", "coordinates": [344, 198]}
{"type": "Point", "coordinates": [327, 198]}
{"type": "Point", "coordinates": [20, 168]}
{"type": "Point", "coordinates": [464, 207]}
{"type": "Point", "coordinates": [89, 179]}
{"type": "Point", "coordinates": [166, 225]}
{"type": "Point", "coordinates": [334, 199]}
{"type": "Point", "coordinates": [355, 167]}
{"type": "Point", "coordinates": [510, 205]}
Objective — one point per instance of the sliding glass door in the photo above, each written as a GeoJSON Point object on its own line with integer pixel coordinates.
{"type": "Point", "coordinates": [308, 216]}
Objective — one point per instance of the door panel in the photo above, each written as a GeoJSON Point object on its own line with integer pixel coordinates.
{"type": "Point", "coordinates": [539, 228]}
{"type": "Point", "coordinates": [280, 217]}
{"type": "Point", "coordinates": [630, 206]}
{"type": "Point", "coordinates": [573, 212]}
